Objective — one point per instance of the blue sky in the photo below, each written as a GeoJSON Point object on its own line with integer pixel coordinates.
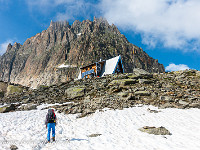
{"type": "Point", "coordinates": [168, 30]}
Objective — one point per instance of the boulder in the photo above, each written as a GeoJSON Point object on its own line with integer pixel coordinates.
{"type": "Point", "coordinates": [3, 87]}
{"type": "Point", "coordinates": [27, 100]}
{"type": "Point", "coordinates": [121, 76]}
{"type": "Point", "coordinates": [131, 98]}
{"type": "Point", "coordinates": [123, 82]}
{"type": "Point", "coordinates": [142, 93]}
{"type": "Point", "coordinates": [182, 102]}
{"type": "Point", "coordinates": [169, 87]}
{"type": "Point", "coordinates": [123, 94]}
{"type": "Point", "coordinates": [132, 76]}
{"type": "Point", "coordinates": [75, 92]}
{"type": "Point", "coordinates": [198, 73]}
{"type": "Point", "coordinates": [152, 111]}
{"type": "Point", "coordinates": [194, 105]}
{"type": "Point", "coordinates": [87, 99]}
{"type": "Point", "coordinates": [29, 106]}
{"type": "Point", "coordinates": [165, 98]}
{"type": "Point", "coordinates": [14, 89]}
{"type": "Point", "coordinates": [154, 95]}
{"type": "Point", "coordinates": [145, 81]}
{"type": "Point", "coordinates": [42, 87]}
{"type": "Point", "coordinates": [166, 105]}
{"type": "Point", "coordinates": [76, 109]}
{"type": "Point", "coordinates": [138, 71]}
{"type": "Point", "coordinates": [192, 98]}
{"type": "Point", "coordinates": [156, 131]}
{"type": "Point", "coordinates": [142, 73]}
{"type": "Point", "coordinates": [94, 135]}
{"type": "Point", "coordinates": [115, 89]}
{"type": "Point", "coordinates": [7, 108]}
{"type": "Point", "coordinates": [2, 94]}
{"type": "Point", "coordinates": [13, 147]}
{"type": "Point", "coordinates": [86, 112]}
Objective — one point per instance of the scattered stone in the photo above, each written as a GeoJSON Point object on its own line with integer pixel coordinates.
{"type": "Point", "coordinates": [29, 106]}
{"type": "Point", "coordinates": [26, 101]}
{"type": "Point", "coordinates": [152, 111]}
{"type": "Point", "coordinates": [131, 97]}
{"type": "Point", "coordinates": [154, 95]}
{"type": "Point", "coordinates": [123, 94]}
{"type": "Point", "coordinates": [3, 88]}
{"type": "Point", "coordinates": [123, 82]}
{"type": "Point", "coordinates": [2, 94]}
{"type": "Point", "coordinates": [142, 93]}
{"type": "Point", "coordinates": [14, 89]}
{"type": "Point", "coordinates": [182, 102]}
{"type": "Point", "coordinates": [94, 135]}
{"type": "Point", "coordinates": [194, 105]}
{"type": "Point", "coordinates": [7, 108]}
{"type": "Point", "coordinates": [156, 131]}
{"type": "Point", "coordinates": [115, 89]}
{"type": "Point", "coordinates": [112, 91]}
{"type": "Point", "coordinates": [145, 81]}
{"type": "Point", "coordinates": [13, 147]}
{"type": "Point", "coordinates": [132, 76]}
{"type": "Point", "coordinates": [165, 98]}
{"type": "Point", "coordinates": [75, 92]}
{"type": "Point", "coordinates": [166, 105]}
{"type": "Point", "coordinates": [138, 71]}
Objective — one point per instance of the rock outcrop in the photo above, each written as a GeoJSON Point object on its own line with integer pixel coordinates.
{"type": "Point", "coordinates": [165, 90]}
{"type": "Point", "coordinates": [36, 61]}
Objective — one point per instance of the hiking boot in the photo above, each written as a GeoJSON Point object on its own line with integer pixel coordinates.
{"type": "Point", "coordinates": [53, 138]}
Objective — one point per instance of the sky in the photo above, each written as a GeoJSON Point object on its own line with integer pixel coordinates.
{"type": "Point", "coordinates": [167, 30]}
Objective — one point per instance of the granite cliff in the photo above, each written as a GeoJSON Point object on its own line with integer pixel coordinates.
{"type": "Point", "coordinates": [37, 61]}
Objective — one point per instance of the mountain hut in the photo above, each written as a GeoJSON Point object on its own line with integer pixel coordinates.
{"type": "Point", "coordinates": [102, 68]}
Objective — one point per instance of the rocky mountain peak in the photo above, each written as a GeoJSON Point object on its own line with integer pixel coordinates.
{"type": "Point", "coordinates": [58, 25]}
{"type": "Point", "coordinates": [16, 45]}
{"type": "Point", "coordinates": [8, 47]}
{"type": "Point", "coordinates": [13, 47]}
{"type": "Point", "coordinates": [36, 61]}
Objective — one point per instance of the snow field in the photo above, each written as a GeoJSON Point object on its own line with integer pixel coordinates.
{"type": "Point", "coordinates": [118, 129]}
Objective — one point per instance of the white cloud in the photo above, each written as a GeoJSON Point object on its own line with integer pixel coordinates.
{"type": "Point", "coordinates": [174, 23]}
{"type": "Point", "coordinates": [65, 9]}
{"type": "Point", "coordinates": [77, 9]}
{"type": "Point", "coordinates": [3, 46]}
{"type": "Point", "coordinates": [173, 67]}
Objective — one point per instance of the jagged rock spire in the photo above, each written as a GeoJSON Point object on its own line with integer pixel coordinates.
{"type": "Point", "coordinates": [59, 24]}
{"type": "Point", "coordinates": [9, 47]}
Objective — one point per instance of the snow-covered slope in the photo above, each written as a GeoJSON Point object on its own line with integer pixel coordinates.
{"type": "Point", "coordinates": [118, 129]}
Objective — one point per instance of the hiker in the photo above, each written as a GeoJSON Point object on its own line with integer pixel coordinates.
{"type": "Point", "coordinates": [50, 123]}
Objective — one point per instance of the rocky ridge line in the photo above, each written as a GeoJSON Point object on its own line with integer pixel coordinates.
{"type": "Point", "coordinates": [166, 90]}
